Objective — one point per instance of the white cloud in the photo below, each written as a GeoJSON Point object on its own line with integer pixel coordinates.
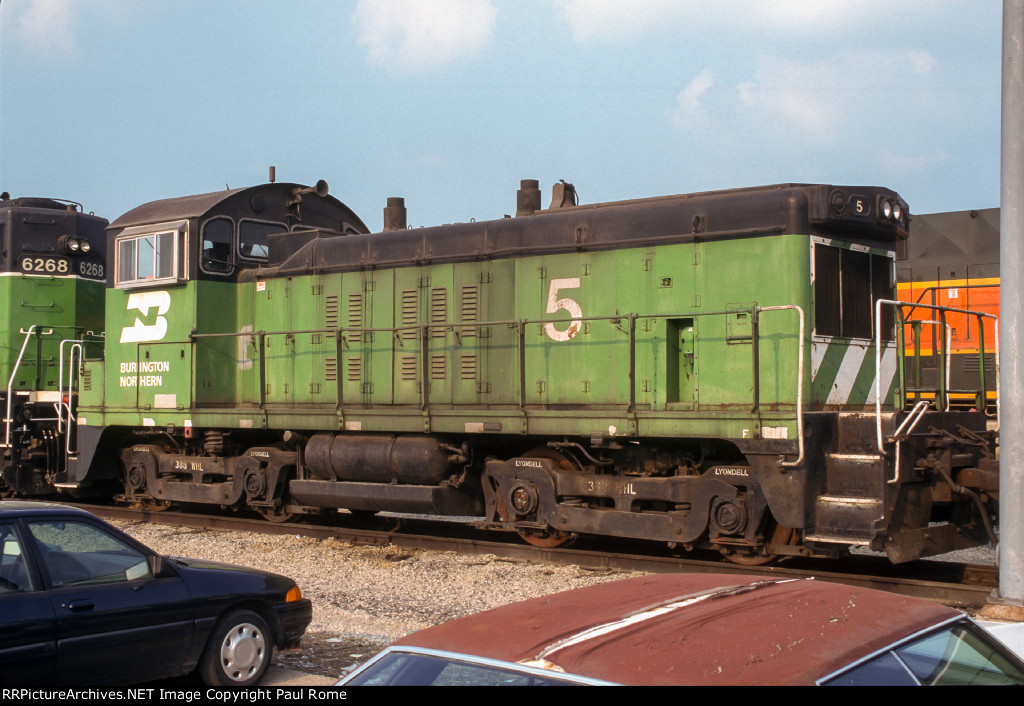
{"type": "Point", "coordinates": [419, 35]}
{"type": "Point", "coordinates": [922, 61]}
{"type": "Point", "coordinates": [45, 25]}
{"type": "Point", "coordinates": [800, 96]}
{"type": "Point", "coordinates": [616, 19]}
{"type": "Point", "coordinates": [690, 98]}
{"type": "Point", "coordinates": [807, 21]}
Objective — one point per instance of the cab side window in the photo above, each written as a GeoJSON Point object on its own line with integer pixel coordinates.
{"type": "Point", "coordinates": [216, 257]}
{"type": "Point", "coordinates": [254, 239]}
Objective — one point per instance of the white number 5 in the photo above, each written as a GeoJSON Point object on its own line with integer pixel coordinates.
{"type": "Point", "coordinates": [570, 305]}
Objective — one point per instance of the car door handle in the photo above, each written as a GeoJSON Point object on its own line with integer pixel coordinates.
{"type": "Point", "coordinates": [80, 605]}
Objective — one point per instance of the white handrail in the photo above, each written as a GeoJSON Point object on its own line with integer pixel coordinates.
{"type": "Point", "coordinates": [799, 384]}
{"type": "Point", "coordinates": [10, 383]}
{"type": "Point", "coordinates": [75, 344]}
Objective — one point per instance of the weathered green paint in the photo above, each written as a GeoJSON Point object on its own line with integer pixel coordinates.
{"type": "Point", "coordinates": [692, 352]}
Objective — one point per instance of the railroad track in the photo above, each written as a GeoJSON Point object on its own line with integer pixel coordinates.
{"type": "Point", "coordinates": [965, 586]}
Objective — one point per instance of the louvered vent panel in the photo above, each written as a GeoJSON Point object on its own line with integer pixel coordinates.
{"type": "Point", "coordinates": [410, 311]}
{"type": "Point", "coordinates": [331, 369]}
{"type": "Point", "coordinates": [354, 368]}
{"type": "Point", "coordinates": [470, 308]}
{"type": "Point", "coordinates": [971, 363]}
{"type": "Point", "coordinates": [438, 366]}
{"type": "Point", "coordinates": [87, 379]}
{"type": "Point", "coordinates": [408, 367]}
{"type": "Point", "coordinates": [438, 311]}
{"type": "Point", "coordinates": [468, 367]}
{"type": "Point", "coordinates": [331, 311]}
{"type": "Point", "coordinates": [355, 315]}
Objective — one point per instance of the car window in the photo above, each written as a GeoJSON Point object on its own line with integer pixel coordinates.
{"type": "Point", "coordinates": [14, 575]}
{"type": "Point", "coordinates": [885, 670]}
{"type": "Point", "coordinates": [77, 553]}
{"type": "Point", "coordinates": [957, 654]}
{"type": "Point", "coordinates": [403, 669]}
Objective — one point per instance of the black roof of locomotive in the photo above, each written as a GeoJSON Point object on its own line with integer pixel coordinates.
{"type": "Point", "coordinates": [35, 224]}
{"type": "Point", "coordinates": [222, 202]}
{"type": "Point", "coordinates": [736, 213]}
{"type": "Point", "coordinates": [952, 245]}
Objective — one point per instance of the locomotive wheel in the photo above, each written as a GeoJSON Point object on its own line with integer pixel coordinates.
{"type": "Point", "coordinates": [547, 538]}
{"type": "Point", "coordinates": [151, 504]}
{"type": "Point", "coordinates": [781, 535]}
{"type": "Point", "coordinates": [275, 514]}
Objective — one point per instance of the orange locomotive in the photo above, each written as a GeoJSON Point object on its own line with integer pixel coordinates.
{"type": "Point", "coordinates": [952, 260]}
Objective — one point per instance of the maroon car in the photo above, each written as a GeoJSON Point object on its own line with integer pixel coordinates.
{"type": "Point", "coordinates": [702, 629]}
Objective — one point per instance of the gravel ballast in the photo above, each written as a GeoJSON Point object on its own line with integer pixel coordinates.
{"type": "Point", "coordinates": [365, 597]}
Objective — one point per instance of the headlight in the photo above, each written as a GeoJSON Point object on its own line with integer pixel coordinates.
{"type": "Point", "coordinates": [73, 245]}
{"type": "Point", "coordinates": [86, 246]}
{"type": "Point", "coordinates": [887, 209]}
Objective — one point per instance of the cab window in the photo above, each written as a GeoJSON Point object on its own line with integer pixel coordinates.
{"type": "Point", "coordinates": [254, 239]}
{"type": "Point", "coordinates": [216, 237]}
{"type": "Point", "coordinates": [147, 259]}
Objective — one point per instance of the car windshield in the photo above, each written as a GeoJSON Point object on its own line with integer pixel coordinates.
{"type": "Point", "coordinates": [397, 667]}
{"type": "Point", "coordinates": [957, 654]}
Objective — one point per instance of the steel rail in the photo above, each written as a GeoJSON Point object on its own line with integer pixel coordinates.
{"type": "Point", "coordinates": [970, 592]}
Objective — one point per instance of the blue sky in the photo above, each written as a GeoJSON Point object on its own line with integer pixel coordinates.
{"type": "Point", "coordinates": [449, 103]}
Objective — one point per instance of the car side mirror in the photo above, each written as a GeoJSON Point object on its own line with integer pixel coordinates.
{"type": "Point", "coordinates": [156, 565]}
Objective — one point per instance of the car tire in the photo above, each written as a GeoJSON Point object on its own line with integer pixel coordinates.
{"type": "Point", "coordinates": [238, 652]}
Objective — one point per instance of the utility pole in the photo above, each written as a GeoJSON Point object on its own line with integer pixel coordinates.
{"type": "Point", "coordinates": [1011, 325]}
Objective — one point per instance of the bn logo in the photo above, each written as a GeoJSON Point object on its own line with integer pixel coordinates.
{"type": "Point", "coordinates": [143, 302]}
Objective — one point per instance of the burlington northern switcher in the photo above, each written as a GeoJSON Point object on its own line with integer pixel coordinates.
{"type": "Point", "coordinates": [721, 370]}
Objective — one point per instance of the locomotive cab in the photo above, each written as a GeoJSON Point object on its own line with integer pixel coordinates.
{"type": "Point", "coordinates": [175, 311]}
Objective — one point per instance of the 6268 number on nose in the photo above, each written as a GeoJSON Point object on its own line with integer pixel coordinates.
{"type": "Point", "coordinates": [44, 265]}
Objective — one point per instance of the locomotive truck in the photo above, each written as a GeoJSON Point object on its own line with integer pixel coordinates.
{"type": "Point", "coordinates": [721, 370]}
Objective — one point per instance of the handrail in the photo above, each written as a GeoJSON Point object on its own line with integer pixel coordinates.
{"type": "Point", "coordinates": [944, 361]}
{"type": "Point", "coordinates": [799, 385]}
{"type": "Point", "coordinates": [14, 372]}
{"type": "Point", "coordinates": [520, 325]}
{"type": "Point", "coordinates": [75, 343]}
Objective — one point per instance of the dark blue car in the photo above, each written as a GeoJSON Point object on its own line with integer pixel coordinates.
{"type": "Point", "coordinates": [83, 603]}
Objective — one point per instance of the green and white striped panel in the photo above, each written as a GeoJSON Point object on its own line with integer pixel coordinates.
{"type": "Point", "coordinates": [843, 373]}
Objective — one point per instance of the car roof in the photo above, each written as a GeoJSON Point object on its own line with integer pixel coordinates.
{"type": "Point", "coordinates": [20, 508]}
{"type": "Point", "coordinates": [693, 629]}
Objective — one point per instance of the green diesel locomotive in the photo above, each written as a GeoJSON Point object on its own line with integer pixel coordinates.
{"type": "Point", "coordinates": [717, 370]}
{"type": "Point", "coordinates": [52, 273]}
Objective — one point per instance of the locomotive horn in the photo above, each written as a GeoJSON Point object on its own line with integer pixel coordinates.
{"type": "Point", "coordinates": [320, 189]}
